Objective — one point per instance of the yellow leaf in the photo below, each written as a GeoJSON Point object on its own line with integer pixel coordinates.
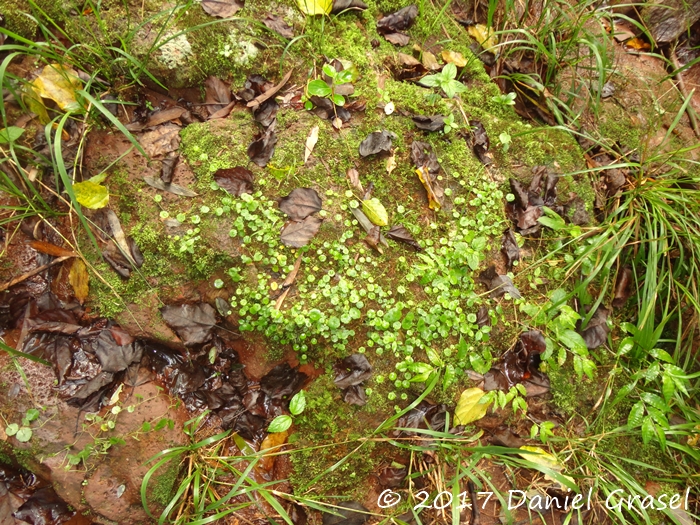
{"type": "Point", "coordinates": [468, 407]}
{"type": "Point", "coordinates": [484, 36]}
{"type": "Point", "coordinates": [35, 104]}
{"type": "Point", "coordinates": [453, 57]}
{"type": "Point", "coordinates": [547, 460]}
{"type": "Point", "coordinates": [391, 163]}
{"type": "Point", "coordinates": [315, 7]}
{"type": "Point", "coordinates": [91, 195]}
{"type": "Point", "coordinates": [79, 279]}
{"type": "Point", "coordinates": [375, 211]}
{"type": "Point", "coordinates": [59, 84]}
{"type": "Point", "coordinates": [424, 176]}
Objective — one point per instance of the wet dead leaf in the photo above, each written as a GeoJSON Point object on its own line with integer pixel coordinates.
{"type": "Point", "coordinates": [301, 203]}
{"type": "Point", "coordinates": [623, 287]}
{"type": "Point", "coordinates": [596, 332]}
{"type": "Point", "coordinates": [175, 189]}
{"type": "Point", "coordinates": [168, 167]}
{"type": "Point", "coordinates": [398, 21]}
{"type": "Point", "coordinates": [91, 195]}
{"type": "Point", "coordinates": [266, 112]}
{"type": "Point", "coordinates": [311, 141]}
{"type": "Point", "coordinates": [352, 371]}
{"type": "Point", "coordinates": [79, 279]}
{"type": "Point", "coordinates": [499, 285]}
{"type": "Point", "coordinates": [429, 123]}
{"type": "Point", "coordinates": [217, 94]}
{"type": "Point", "coordinates": [271, 92]}
{"type": "Point", "coordinates": [425, 178]}
{"type": "Point", "coordinates": [298, 234]}
{"type": "Point", "coordinates": [193, 323]}
{"type": "Point", "coordinates": [60, 84]}
{"type": "Point", "coordinates": [262, 148]}
{"type": "Point", "coordinates": [398, 39]}
{"type": "Point", "coordinates": [222, 8]}
{"type": "Point", "coordinates": [235, 181]}
{"type": "Point", "coordinates": [510, 248]}
{"type": "Point", "coordinates": [480, 142]}
{"type": "Point", "coordinates": [341, 5]}
{"type": "Point", "coordinates": [399, 233]}
{"type": "Point", "coordinates": [372, 239]}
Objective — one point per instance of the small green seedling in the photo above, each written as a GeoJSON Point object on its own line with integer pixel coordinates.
{"type": "Point", "coordinates": [445, 80]}
{"type": "Point", "coordinates": [296, 407]}
{"type": "Point", "coordinates": [23, 433]}
{"type": "Point", "coordinates": [505, 99]}
{"type": "Point", "coordinates": [544, 430]}
{"type": "Point", "coordinates": [320, 87]}
{"type": "Point", "coordinates": [450, 124]}
{"type": "Point", "coordinates": [505, 139]}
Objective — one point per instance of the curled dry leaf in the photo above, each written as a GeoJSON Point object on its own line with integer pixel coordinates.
{"type": "Point", "coordinates": [510, 248]}
{"type": "Point", "coordinates": [167, 168]}
{"type": "Point", "coordinates": [279, 26]}
{"type": "Point", "coordinates": [222, 8]}
{"type": "Point", "coordinates": [480, 142]}
{"type": "Point", "coordinates": [171, 188]}
{"type": "Point", "coordinates": [401, 234]}
{"type": "Point", "coordinates": [429, 123]}
{"type": "Point", "coordinates": [354, 177]}
{"type": "Point", "coordinates": [425, 178]}
{"type": "Point", "coordinates": [298, 234]}
{"type": "Point", "coordinates": [372, 239]}
{"type": "Point", "coordinates": [311, 141]}
{"type": "Point", "coordinates": [235, 181]}
{"type": "Point", "coordinates": [301, 203]}
{"type": "Point", "coordinates": [499, 285]}
{"type": "Point", "coordinates": [262, 148]}
{"type": "Point", "coordinates": [79, 279]}
{"type": "Point", "coordinates": [377, 142]}
{"type": "Point", "coordinates": [341, 5]}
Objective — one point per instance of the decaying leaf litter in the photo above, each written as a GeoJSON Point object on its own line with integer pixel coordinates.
{"type": "Point", "coordinates": [97, 355]}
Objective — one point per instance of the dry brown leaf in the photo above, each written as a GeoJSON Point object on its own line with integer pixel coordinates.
{"type": "Point", "coordinates": [51, 249]}
{"type": "Point", "coordinates": [79, 279]}
{"type": "Point", "coordinates": [354, 177]}
{"type": "Point", "coordinates": [430, 62]}
{"type": "Point", "coordinates": [453, 57]}
{"type": "Point", "coordinates": [311, 141]}
{"type": "Point", "coordinates": [424, 176]}
{"type": "Point", "coordinates": [391, 163]}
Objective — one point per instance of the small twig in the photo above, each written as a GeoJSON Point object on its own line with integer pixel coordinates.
{"type": "Point", "coordinates": [34, 272]}
{"type": "Point", "coordinates": [475, 504]}
{"type": "Point", "coordinates": [685, 93]}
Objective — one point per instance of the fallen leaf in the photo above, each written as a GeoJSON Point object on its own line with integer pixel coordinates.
{"type": "Point", "coordinates": [193, 323]}
{"type": "Point", "coordinates": [391, 164]}
{"type": "Point", "coordinates": [217, 94]}
{"type": "Point", "coordinates": [91, 195]}
{"type": "Point", "coordinates": [51, 249]}
{"type": "Point", "coordinates": [279, 26]}
{"type": "Point", "coordinates": [161, 140]}
{"type": "Point", "coordinates": [510, 248]}
{"type": "Point", "coordinates": [429, 123]}
{"type": "Point", "coordinates": [454, 57]}
{"type": "Point", "coordinates": [623, 286]}
{"type": "Point", "coordinates": [352, 371]}
{"type": "Point", "coordinates": [266, 112]}
{"type": "Point", "coordinates": [429, 61]}
{"type": "Point", "coordinates": [422, 155]}
{"type": "Point", "coordinates": [484, 36]}
{"type": "Point", "coordinates": [401, 234]}
{"type": "Point", "coordinates": [499, 285]}
{"type": "Point", "coordinates": [425, 415]}
{"type": "Point", "coordinates": [271, 92]}
{"type": "Point", "coordinates": [157, 118]}
{"type": "Point", "coordinates": [235, 181]}
{"type": "Point", "coordinates": [596, 332]}
{"type": "Point", "coordinates": [346, 513]}
{"type": "Point", "coordinates": [298, 234]}
{"type": "Point", "coordinates": [60, 84]}
{"type": "Point", "coordinates": [167, 167]}
{"type": "Point", "coordinates": [468, 408]}
{"type": "Point", "coordinates": [262, 148]}
{"type": "Point", "coordinates": [311, 141]}
{"type": "Point", "coordinates": [544, 459]}
{"type": "Point", "coordinates": [79, 279]}
{"type": "Point", "coordinates": [354, 177]}
{"type": "Point", "coordinates": [480, 142]}
{"type": "Point", "coordinates": [398, 21]}
{"type": "Point", "coordinates": [222, 8]}
{"type": "Point", "coordinates": [520, 364]}
{"type": "Point", "coordinates": [372, 239]}
{"type": "Point", "coordinates": [637, 44]}
{"type": "Point", "coordinates": [34, 103]}
{"type": "Point", "coordinates": [375, 211]}
{"type": "Point", "coordinates": [315, 7]}
{"type": "Point", "coordinates": [341, 5]}
{"type": "Point", "coordinates": [367, 224]}
{"type": "Point", "coordinates": [301, 203]}
{"type": "Point", "coordinates": [425, 178]}
{"type": "Point", "coordinates": [376, 142]}
{"type": "Point", "coordinates": [398, 39]}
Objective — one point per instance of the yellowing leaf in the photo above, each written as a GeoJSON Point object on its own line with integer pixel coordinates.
{"type": "Point", "coordinates": [453, 57]}
{"type": "Point", "coordinates": [391, 163]}
{"type": "Point", "coordinates": [35, 104]}
{"type": "Point", "coordinates": [79, 279]}
{"type": "Point", "coordinates": [91, 195]}
{"type": "Point", "coordinates": [424, 176]}
{"type": "Point", "coordinates": [547, 460]}
{"type": "Point", "coordinates": [315, 7]}
{"type": "Point", "coordinates": [59, 84]}
{"type": "Point", "coordinates": [468, 407]}
{"type": "Point", "coordinates": [375, 211]}
{"type": "Point", "coordinates": [484, 36]}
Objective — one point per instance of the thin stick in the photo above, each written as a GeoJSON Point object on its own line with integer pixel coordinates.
{"type": "Point", "coordinates": [34, 272]}
{"type": "Point", "coordinates": [684, 92]}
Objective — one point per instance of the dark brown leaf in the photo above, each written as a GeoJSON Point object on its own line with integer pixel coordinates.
{"type": "Point", "coordinates": [44, 507]}
{"type": "Point", "coordinates": [351, 371]}
{"type": "Point", "coordinates": [235, 181]}
{"type": "Point", "coordinates": [346, 513]}
{"type": "Point", "coordinates": [217, 94]}
{"type": "Point", "coordinates": [266, 112]}
{"type": "Point", "coordinates": [171, 188]}
{"type": "Point", "coordinates": [341, 5]}
{"type": "Point", "coordinates": [401, 234]}
{"type": "Point", "coordinates": [282, 382]}
{"type": "Point", "coordinates": [192, 322]}
{"type": "Point", "coordinates": [482, 317]}
{"type": "Point", "coordinates": [499, 285]}
{"type": "Point", "coordinates": [262, 148]}
{"type": "Point", "coordinates": [157, 118]}
{"type": "Point", "coordinates": [376, 142]}
{"type": "Point", "coordinates": [398, 39]}
{"type": "Point", "coordinates": [480, 142]}
{"type": "Point", "coordinates": [520, 364]}
{"type": "Point", "coordinates": [51, 249]}
{"type": "Point", "coordinates": [168, 167]}
{"type": "Point", "coordinates": [372, 239]}
{"type": "Point", "coordinates": [222, 8]}
{"type": "Point", "coordinates": [433, 123]}
{"type": "Point", "coordinates": [325, 109]}
{"type": "Point", "coordinates": [223, 112]}
{"type": "Point", "coordinates": [298, 234]}
{"type": "Point", "coordinates": [398, 21]}
{"type": "Point", "coordinates": [278, 25]}
{"type": "Point", "coordinates": [301, 203]}
{"type": "Point", "coordinates": [510, 248]}
{"type": "Point", "coordinates": [596, 332]}
{"type": "Point", "coordinates": [423, 156]}
{"type": "Point", "coordinates": [623, 287]}
{"type": "Point", "coordinates": [271, 92]}
{"type": "Point", "coordinates": [355, 395]}
{"type": "Point", "coordinates": [354, 177]}
{"type": "Point", "coordinates": [426, 415]}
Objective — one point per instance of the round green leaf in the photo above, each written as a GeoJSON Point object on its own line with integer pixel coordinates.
{"type": "Point", "coordinates": [24, 434]}
{"type": "Point", "coordinates": [280, 424]}
{"type": "Point", "coordinates": [31, 414]}
{"type": "Point", "coordinates": [11, 429]}
{"type": "Point", "coordinates": [10, 134]}
{"type": "Point", "coordinates": [91, 195]}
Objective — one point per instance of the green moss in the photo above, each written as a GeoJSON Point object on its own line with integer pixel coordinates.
{"type": "Point", "coordinates": [569, 393]}
{"type": "Point", "coordinates": [615, 126]}
{"type": "Point", "coordinates": [162, 486]}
